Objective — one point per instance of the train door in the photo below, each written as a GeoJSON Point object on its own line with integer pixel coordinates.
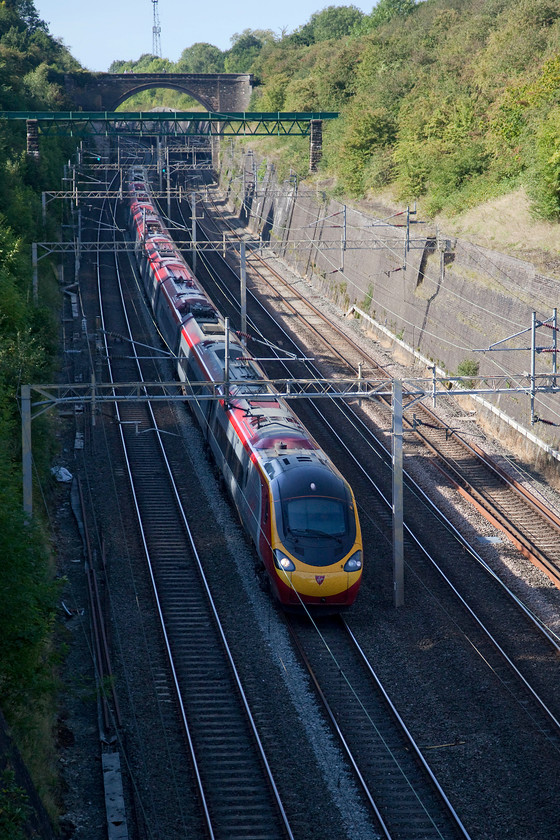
{"type": "Point", "coordinates": [251, 500]}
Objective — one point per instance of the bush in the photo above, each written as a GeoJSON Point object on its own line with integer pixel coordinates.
{"type": "Point", "coordinates": [544, 180]}
{"type": "Point", "coordinates": [468, 367]}
{"type": "Point", "coordinates": [14, 808]}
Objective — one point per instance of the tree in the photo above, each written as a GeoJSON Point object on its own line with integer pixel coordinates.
{"type": "Point", "coordinates": [201, 58]}
{"type": "Point", "coordinates": [26, 11]}
{"type": "Point", "coordinates": [332, 22]}
{"type": "Point", "coordinates": [384, 12]}
{"type": "Point", "coordinates": [263, 35]}
{"type": "Point", "coordinates": [246, 48]}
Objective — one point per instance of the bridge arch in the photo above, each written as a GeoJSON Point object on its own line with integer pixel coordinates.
{"type": "Point", "coordinates": [205, 101]}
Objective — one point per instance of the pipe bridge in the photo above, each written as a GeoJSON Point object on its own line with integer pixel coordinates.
{"type": "Point", "coordinates": [106, 91]}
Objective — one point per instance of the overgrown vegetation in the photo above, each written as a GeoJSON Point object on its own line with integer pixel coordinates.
{"type": "Point", "coordinates": [454, 101]}
{"type": "Point", "coordinates": [468, 367]}
{"type": "Point", "coordinates": [14, 808]}
{"type": "Point", "coordinates": [28, 343]}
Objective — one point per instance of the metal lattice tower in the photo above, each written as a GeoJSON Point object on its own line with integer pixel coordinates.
{"type": "Point", "coordinates": [156, 31]}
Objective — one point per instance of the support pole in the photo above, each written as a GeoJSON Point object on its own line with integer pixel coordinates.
{"type": "Point", "coordinates": [554, 344]}
{"type": "Point", "coordinates": [343, 240]}
{"type": "Point", "coordinates": [360, 377]}
{"type": "Point", "coordinates": [93, 406]}
{"type": "Point", "coordinates": [407, 239]}
{"type": "Point", "coordinates": [78, 249]}
{"type": "Point", "coordinates": [315, 144]}
{"type": "Point", "coordinates": [35, 265]}
{"type": "Point", "coordinates": [243, 293]}
{"type": "Point", "coordinates": [226, 362]}
{"type": "Point", "coordinates": [26, 450]}
{"type": "Point", "coordinates": [168, 176]}
{"type": "Point", "coordinates": [74, 185]}
{"type": "Point", "coordinates": [398, 539]}
{"type": "Point", "coordinates": [533, 363]}
{"type": "Point", "coordinates": [193, 231]}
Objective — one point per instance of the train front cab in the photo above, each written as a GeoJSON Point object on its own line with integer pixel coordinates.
{"type": "Point", "coordinates": [315, 556]}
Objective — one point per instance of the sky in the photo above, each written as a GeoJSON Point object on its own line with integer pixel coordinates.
{"type": "Point", "coordinates": [103, 31]}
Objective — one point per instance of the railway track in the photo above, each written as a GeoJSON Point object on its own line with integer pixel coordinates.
{"type": "Point", "coordinates": [236, 790]}
{"type": "Point", "coordinates": [529, 523]}
{"type": "Point", "coordinates": [407, 801]}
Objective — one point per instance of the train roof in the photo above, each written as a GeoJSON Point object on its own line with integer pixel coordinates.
{"type": "Point", "coordinates": [266, 424]}
{"type": "Point", "coordinates": [162, 246]}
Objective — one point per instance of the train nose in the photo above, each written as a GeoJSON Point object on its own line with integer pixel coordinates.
{"type": "Point", "coordinates": [320, 585]}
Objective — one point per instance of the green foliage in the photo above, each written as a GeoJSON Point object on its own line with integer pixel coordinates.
{"type": "Point", "coordinates": [544, 182]}
{"type": "Point", "coordinates": [246, 48]}
{"type": "Point", "coordinates": [27, 615]}
{"type": "Point", "coordinates": [14, 808]}
{"type": "Point", "coordinates": [149, 100]}
{"type": "Point", "coordinates": [31, 65]}
{"type": "Point", "coordinates": [147, 63]}
{"type": "Point", "coordinates": [27, 594]}
{"type": "Point", "coordinates": [384, 12]}
{"type": "Point", "coordinates": [363, 133]}
{"type": "Point", "coordinates": [451, 101]}
{"type": "Point", "coordinates": [274, 96]}
{"type": "Point", "coordinates": [468, 367]}
{"type": "Point", "coordinates": [201, 58]}
{"type": "Point", "coordinates": [26, 14]}
{"type": "Point", "coordinates": [333, 22]}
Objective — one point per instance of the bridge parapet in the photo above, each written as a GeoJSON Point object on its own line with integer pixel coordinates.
{"type": "Point", "coordinates": [106, 91]}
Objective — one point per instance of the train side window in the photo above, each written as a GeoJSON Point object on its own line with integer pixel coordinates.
{"type": "Point", "coordinates": [264, 503]}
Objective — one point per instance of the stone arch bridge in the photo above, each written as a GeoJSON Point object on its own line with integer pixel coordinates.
{"type": "Point", "coordinates": [106, 91]}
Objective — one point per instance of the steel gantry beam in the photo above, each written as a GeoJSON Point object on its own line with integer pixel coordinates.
{"type": "Point", "coordinates": [211, 245]}
{"type": "Point", "coordinates": [345, 388]}
{"type": "Point", "coordinates": [352, 388]}
{"type": "Point", "coordinates": [174, 123]}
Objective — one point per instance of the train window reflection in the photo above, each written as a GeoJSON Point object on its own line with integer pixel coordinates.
{"type": "Point", "coordinates": [320, 516]}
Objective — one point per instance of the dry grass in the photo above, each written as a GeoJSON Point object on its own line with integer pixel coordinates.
{"type": "Point", "coordinates": [506, 224]}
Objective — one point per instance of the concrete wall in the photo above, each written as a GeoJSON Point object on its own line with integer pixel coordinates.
{"type": "Point", "coordinates": [443, 297]}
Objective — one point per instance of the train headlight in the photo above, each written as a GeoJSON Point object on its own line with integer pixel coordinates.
{"type": "Point", "coordinates": [354, 563]}
{"type": "Point", "coordinates": [282, 562]}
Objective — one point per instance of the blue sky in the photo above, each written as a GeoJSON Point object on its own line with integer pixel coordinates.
{"type": "Point", "coordinates": [101, 31]}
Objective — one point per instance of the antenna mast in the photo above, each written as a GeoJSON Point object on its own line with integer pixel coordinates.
{"type": "Point", "coordinates": [156, 31]}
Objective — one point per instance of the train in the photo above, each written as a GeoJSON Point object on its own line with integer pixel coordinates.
{"type": "Point", "coordinates": [295, 505]}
